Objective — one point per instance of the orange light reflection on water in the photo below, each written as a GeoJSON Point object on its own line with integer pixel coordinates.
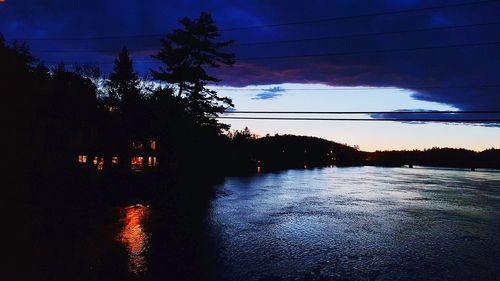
{"type": "Point", "coordinates": [134, 237]}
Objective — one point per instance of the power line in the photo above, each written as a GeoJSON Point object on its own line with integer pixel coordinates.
{"type": "Point", "coordinates": [374, 51]}
{"type": "Point", "coordinates": [465, 45]}
{"type": "Point", "coordinates": [300, 40]}
{"type": "Point", "coordinates": [367, 112]}
{"type": "Point", "coordinates": [375, 14]}
{"type": "Point", "coordinates": [384, 13]}
{"type": "Point", "coordinates": [360, 88]}
{"type": "Point", "coordinates": [366, 119]}
{"type": "Point", "coordinates": [347, 36]}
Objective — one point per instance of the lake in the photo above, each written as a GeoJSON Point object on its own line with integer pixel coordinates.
{"type": "Point", "coordinates": [353, 223]}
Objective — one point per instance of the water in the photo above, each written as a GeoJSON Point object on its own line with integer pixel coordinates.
{"type": "Point", "coordinates": [134, 237]}
{"type": "Point", "coordinates": [361, 223]}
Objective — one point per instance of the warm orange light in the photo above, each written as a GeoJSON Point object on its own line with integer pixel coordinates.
{"type": "Point", "coordinates": [136, 160]}
{"type": "Point", "coordinates": [100, 165]}
{"type": "Point", "coordinates": [136, 163]}
{"type": "Point", "coordinates": [137, 145]}
{"type": "Point", "coordinates": [134, 237]}
{"type": "Point", "coordinates": [94, 161]}
{"type": "Point", "coordinates": [152, 144]}
{"type": "Point", "coordinates": [82, 158]}
{"type": "Point", "coordinates": [152, 161]}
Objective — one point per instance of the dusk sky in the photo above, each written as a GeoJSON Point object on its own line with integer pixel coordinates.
{"type": "Point", "coordinates": [306, 56]}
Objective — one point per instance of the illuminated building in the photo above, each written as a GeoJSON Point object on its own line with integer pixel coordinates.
{"type": "Point", "coordinates": [140, 156]}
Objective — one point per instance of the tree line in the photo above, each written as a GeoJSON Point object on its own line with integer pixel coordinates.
{"type": "Point", "coordinates": [69, 109]}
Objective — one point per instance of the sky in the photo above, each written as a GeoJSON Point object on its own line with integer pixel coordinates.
{"type": "Point", "coordinates": [341, 55]}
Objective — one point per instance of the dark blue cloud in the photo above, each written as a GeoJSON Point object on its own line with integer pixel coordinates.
{"type": "Point", "coordinates": [270, 93]}
{"type": "Point", "coordinates": [439, 70]}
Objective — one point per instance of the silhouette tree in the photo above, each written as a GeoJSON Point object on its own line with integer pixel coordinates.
{"type": "Point", "coordinates": [61, 67]}
{"type": "Point", "coordinates": [187, 53]}
{"type": "Point", "coordinates": [16, 59]}
{"type": "Point", "coordinates": [72, 97]}
{"type": "Point", "coordinates": [244, 134]}
{"type": "Point", "coordinates": [124, 93]}
{"type": "Point", "coordinates": [92, 72]}
{"type": "Point", "coordinates": [123, 83]}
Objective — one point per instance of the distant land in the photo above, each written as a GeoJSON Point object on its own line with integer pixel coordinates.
{"type": "Point", "coordinates": [291, 151]}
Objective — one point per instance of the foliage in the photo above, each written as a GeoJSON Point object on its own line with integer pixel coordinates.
{"type": "Point", "coordinates": [187, 53]}
{"type": "Point", "coordinates": [241, 135]}
{"type": "Point", "coordinates": [127, 100]}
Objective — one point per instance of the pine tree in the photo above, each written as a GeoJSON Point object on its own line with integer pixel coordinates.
{"type": "Point", "coordinates": [124, 92]}
{"type": "Point", "coordinates": [187, 53]}
{"type": "Point", "coordinates": [123, 83]}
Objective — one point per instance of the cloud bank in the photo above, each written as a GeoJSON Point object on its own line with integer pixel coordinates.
{"type": "Point", "coordinates": [463, 77]}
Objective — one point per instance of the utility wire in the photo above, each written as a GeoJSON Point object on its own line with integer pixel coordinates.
{"type": "Point", "coordinates": [465, 45]}
{"type": "Point", "coordinates": [376, 14]}
{"type": "Point", "coordinates": [360, 88]}
{"type": "Point", "coordinates": [366, 112]}
{"type": "Point", "coordinates": [347, 36]}
{"type": "Point", "coordinates": [374, 51]}
{"type": "Point", "coordinates": [313, 21]}
{"type": "Point", "coordinates": [367, 119]}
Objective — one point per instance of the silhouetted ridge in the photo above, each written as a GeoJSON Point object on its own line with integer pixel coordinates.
{"type": "Point", "coordinates": [438, 157]}
{"type": "Point", "coordinates": [288, 151]}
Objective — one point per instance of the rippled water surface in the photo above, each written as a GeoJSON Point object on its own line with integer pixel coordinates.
{"type": "Point", "coordinates": [361, 223]}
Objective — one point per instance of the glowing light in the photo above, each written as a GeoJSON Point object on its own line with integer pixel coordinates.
{"type": "Point", "coordinates": [100, 165]}
{"type": "Point", "coordinates": [152, 144]}
{"type": "Point", "coordinates": [136, 163]}
{"type": "Point", "coordinates": [82, 158]}
{"type": "Point", "coordinates": [95, 160]}
{"type": "Point", "coordinates": [152, 161]}
{"type": "Point", "coordinates": [134, 237]}
{"type": "Point", "coordinates": [137, 145]}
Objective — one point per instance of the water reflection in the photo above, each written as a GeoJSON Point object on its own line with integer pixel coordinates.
{"type": "Point", "coordinates": [134, 237]}
{"type": "Point", "coordinates": [357, 223]}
